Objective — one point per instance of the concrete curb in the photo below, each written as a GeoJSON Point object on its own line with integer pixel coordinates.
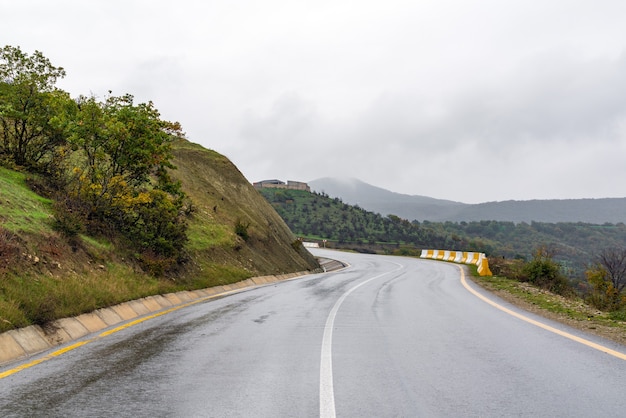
{"type": "Point", "coordinates": [23, 342]}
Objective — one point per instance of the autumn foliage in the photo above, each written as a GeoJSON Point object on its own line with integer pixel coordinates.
{"type": "Point", "coordinates": [105, 162]}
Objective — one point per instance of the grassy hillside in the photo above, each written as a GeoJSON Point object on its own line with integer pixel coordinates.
{"type": "Point", "coordinates": [44, 275]}
{"type": "Point", "coordinates": [224, 199]}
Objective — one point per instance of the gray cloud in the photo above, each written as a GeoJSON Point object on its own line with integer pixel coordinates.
{"type": "Point", "coordinates": [431, 97]}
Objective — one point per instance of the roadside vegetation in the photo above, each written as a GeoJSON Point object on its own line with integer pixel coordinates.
{"type": "Point", "coordinates": [103, 201]}
{"type": "Point", "coordinates": [574, 309]}
{"type": "Point", "coordinates": [103, 163]}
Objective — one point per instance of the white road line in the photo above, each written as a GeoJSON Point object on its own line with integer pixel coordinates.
{"type": "Point", "coordinates": [327, 392]}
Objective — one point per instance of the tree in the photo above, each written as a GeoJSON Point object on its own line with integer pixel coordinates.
{"type": "Point", "coordinates": [123, 147]}
{"type": "Point", "coordinates": [607, 277]}
{"type": "Point", "coordinates": [107, 162]}
{"type": "Point", "coordinates": [122, 153]}
{"type": "Point", "coordinates": [120, 138]}
{"type": "Point", "coordinates": [32, 110]}
{"type": "Point", "coordinates": [613, 262]}
{"type": "Point", "coordinates": [35, 70]}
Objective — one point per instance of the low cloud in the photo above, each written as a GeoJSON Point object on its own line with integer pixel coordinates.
{"type": "Point", "coordinates": [424, 97]}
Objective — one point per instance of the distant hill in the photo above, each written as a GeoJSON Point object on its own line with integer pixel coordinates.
{"type": "Point", "coordinates": [421, 208]}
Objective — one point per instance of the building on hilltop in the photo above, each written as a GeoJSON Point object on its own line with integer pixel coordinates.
{"type": "Point", "coordinates": [298, 185]}
{"type": "Point", "coordinates": [269, 183]}
{"type": "Point", "coordinates": [277, 184]}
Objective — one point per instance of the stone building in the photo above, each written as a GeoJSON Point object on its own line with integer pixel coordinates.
{"type": "Point", "coordinates": [277, 184]}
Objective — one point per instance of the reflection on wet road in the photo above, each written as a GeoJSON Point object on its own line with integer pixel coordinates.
{"type": "Point", "coordinates": [407, 339]}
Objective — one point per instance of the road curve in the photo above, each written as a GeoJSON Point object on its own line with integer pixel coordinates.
{"type": "Point", "coordinates": [387, 336]}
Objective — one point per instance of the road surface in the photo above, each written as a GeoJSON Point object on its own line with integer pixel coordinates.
{"type": "Point", "coordinates": [385, 337]}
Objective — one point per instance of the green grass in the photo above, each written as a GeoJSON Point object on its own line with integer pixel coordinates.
{"type": "Point", "coordinates": [11, 315]}
{"type": "Point", "coordinates": [573, 307]}
{"type": "Point", "coordinates": [211, 274]}
{"type": "Point", "coordinates": [34, 299]}
{"type": "Point", "coordinates": [99, 244]}
{"type": "Point", "coordinates": [203, 235]}
{"type": "Point", "coordinates": [21, 209]}
{"type": "Point", "coordinates": [28, 299]}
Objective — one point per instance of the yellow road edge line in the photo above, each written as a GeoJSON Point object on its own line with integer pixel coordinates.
{"type": "Point", "coordinates": [546, 327]}
{"type": "Point", "coordinates": [42, 359]}
{"type": "Point", "coordinates": [71, 347]}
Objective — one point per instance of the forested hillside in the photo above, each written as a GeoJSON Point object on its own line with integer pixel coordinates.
{"type": "Point", "coordinates": [317, 216]}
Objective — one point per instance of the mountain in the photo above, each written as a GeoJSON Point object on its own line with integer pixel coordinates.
{"type": "Point", "coordinates": [422, 208]}
{"type": "Point", "coordinates": [375, 199]}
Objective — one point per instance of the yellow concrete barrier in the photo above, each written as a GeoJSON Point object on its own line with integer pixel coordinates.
{"type": "Point", "coordinates": [477, 259]}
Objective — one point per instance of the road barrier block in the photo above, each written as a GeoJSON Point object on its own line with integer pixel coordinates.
{"type": "Point", "coordinates": [477, 259]}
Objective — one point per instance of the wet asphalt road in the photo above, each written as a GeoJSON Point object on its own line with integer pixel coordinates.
{"type": "Point", "coordinates": [387, 337]}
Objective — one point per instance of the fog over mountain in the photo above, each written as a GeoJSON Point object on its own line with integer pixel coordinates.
{"type": "Point", "coordinates": [421, 208]}
{"type": "Point", "coordinates": [529, 93]}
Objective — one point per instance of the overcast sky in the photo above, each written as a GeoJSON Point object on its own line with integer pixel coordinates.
{"type": "Point", "coordinates": [472, 101]}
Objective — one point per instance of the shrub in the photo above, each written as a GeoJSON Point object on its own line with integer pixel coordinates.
{"type": "Point", "coordinates": [241, 229]}
{"type": "Point", "coordinates": [297, 245]}
{"type": "Point", "coordinates": [156, 224]}
{"type": "Point", "coordinates": [619, 315]}
{"type": "Point", "coordinates": [510, 268]}
{"type": "Point", "coordinates": [544, 272]}
{"type": "Point", "coordinates": [69, 217]}
{"type": "Point", "coordinates": [155, 264]}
